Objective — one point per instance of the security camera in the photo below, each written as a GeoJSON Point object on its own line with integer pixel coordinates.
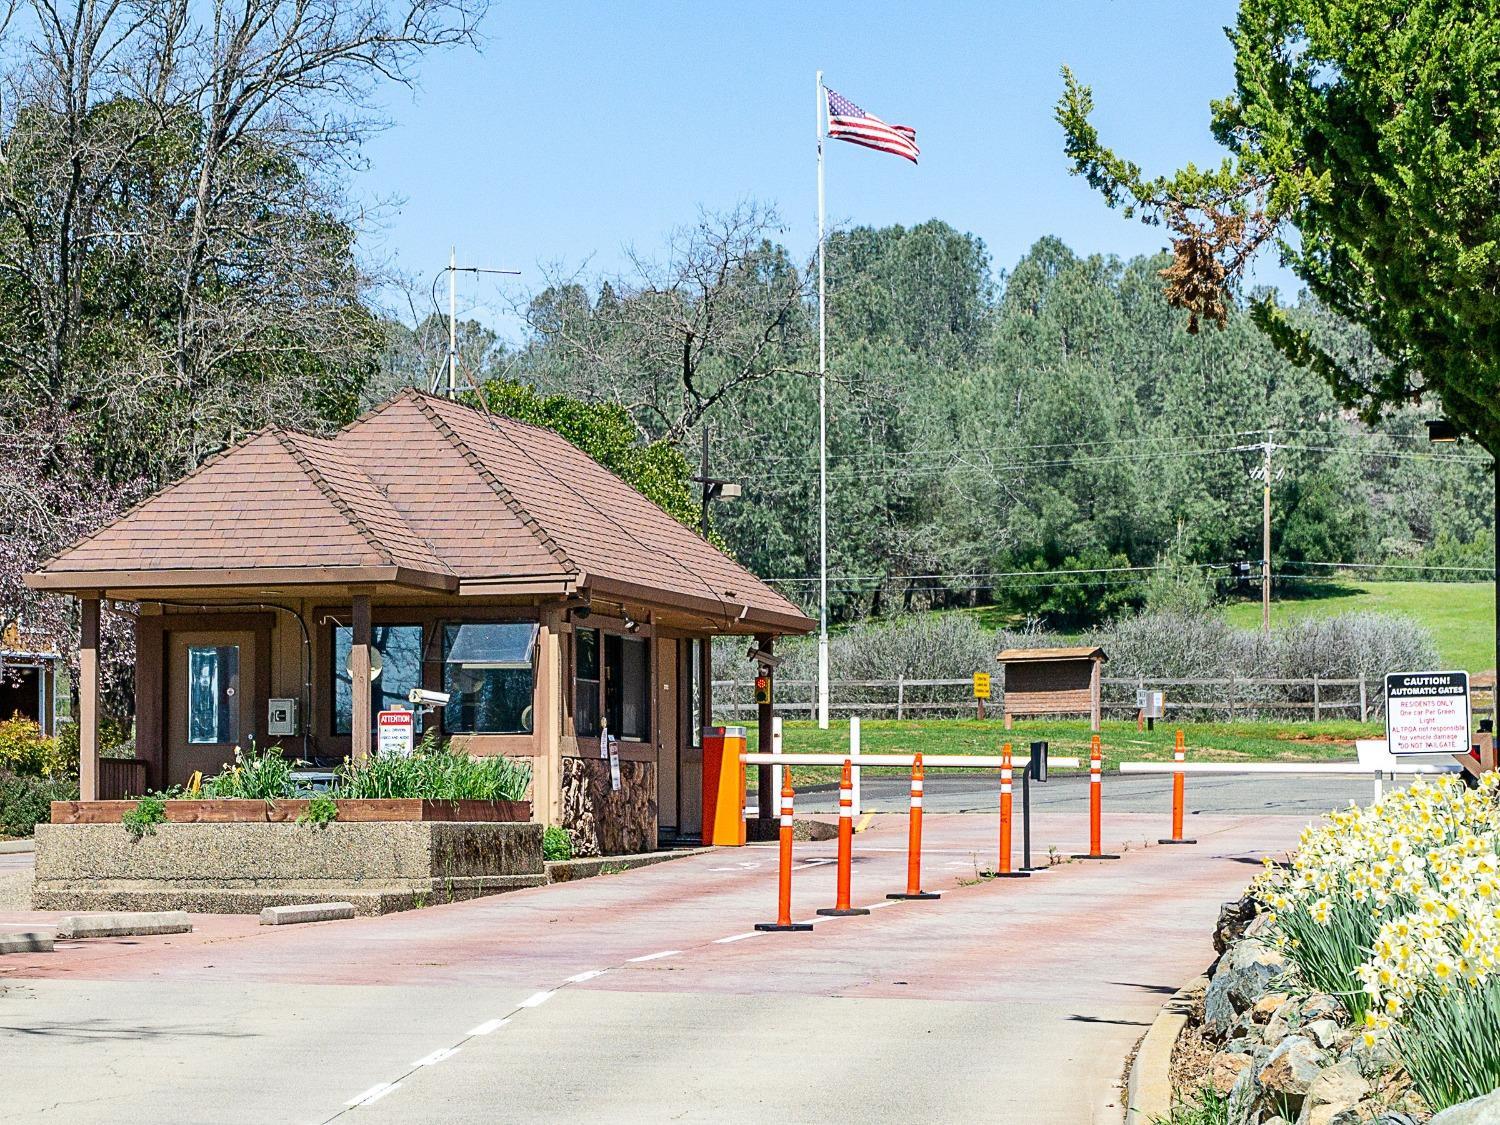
{"type": "Point", "coordinates": [430, 698]}
{"type": "Point", "coordinates": [763, 658]}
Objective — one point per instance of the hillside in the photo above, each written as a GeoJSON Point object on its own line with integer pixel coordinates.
{"type": "Point", "coordinates": [1461, 615]}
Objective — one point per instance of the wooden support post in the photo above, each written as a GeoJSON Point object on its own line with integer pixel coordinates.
{"type": "Point", "coordinates": [359, 674]}
{"type": "Point", "coordinates": [88, 699]}
{"type": "Point", "coordinates": [547, 704]}
{"type": "Point", "coordinates": [1095, 694]}
{"type": "Point", "coordinates": [1317, 698]}
{"type": "Point", "coordinates": [901, 695]}
{"type": "Point", "coordinates": [765, 793]}
{"type": "Point", "coordinates": [1364, 707]}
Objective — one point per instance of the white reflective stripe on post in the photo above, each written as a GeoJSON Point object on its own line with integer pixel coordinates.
{"type": "Point", "coordinates": [1004, 787]}
{"type": "Point", "coordinates": [916, 802]}
{"type": "Point", "coordinates": [916, 786]}
{"type": "Point", "coordinates": [786, 821]}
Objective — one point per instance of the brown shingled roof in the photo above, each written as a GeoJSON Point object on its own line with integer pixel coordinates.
{"type": "Point", "coordinates": [441, 492]}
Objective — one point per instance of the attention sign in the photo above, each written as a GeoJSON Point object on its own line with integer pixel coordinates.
{"type": "Point", "coordinates": [1427, 712]}
{"type": "Point", "coordinates": [394, 732]}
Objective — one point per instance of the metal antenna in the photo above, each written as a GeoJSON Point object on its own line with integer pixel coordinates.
{"type": "Point", "coordinates": [453, 270]}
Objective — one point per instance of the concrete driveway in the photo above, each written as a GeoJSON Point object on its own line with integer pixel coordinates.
{"type": "Point", "coordinates": [647, 996]}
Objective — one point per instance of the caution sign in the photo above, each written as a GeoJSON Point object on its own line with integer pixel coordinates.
{"type": "Point", "coordinates": [1427, 712]}
{"type": "Point", "coordinates": [981, 685]}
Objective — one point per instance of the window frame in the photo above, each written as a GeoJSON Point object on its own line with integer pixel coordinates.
{"type": "Point", "coordinates": [441, 628]}
{"type": "Point", "coordinates": [334, 669]}
{"type": "Point", "coordinates": [605, 629]}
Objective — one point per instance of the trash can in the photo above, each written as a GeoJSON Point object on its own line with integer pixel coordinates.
{"type": "Point", "coordinates": [724, 786]}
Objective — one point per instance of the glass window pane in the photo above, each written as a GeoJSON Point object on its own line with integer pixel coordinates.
{"type": "Point", "coordinates": [627, 686]}
{"type": "Point", "coordinates": [400, 648]}
{"type": "Point", "coordinates": [586, 682]}
{"type": "Point", "coordinates": [213, 694]}
{"type": "Point", "coordinates": [695, 693]}
{"type": "Point", "coordinates": [491, 695]}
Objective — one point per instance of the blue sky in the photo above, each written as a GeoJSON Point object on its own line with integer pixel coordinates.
{"type": "Point", "coordinates": [584, 128]}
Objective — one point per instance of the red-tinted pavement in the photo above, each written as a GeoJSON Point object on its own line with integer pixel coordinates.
{"type": "Point", "coordinates": [1013, 1001]}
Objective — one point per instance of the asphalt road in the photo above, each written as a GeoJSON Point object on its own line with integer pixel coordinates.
{"type": "Point", "coordinates": [648, 996]}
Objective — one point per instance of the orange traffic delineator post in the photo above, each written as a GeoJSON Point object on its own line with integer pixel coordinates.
{"type": "Point", "coordinates": [914, 838]}
{"type": "Point", "coordinates": [784, 882]}
{"type": "Point", "coordinates": [1179, 797]}
{"type": "Point", "coordinates": [841, 907]}
{"type": "Point", "coordinates": [1003, 869]}
{"type": "Point", "coordinates": [1096, 804]}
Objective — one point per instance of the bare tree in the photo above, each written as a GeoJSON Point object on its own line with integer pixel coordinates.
{"type": "Point", "coordinates": [678, 336]}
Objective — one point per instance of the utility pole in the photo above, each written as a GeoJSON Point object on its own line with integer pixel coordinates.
{"type": "Point", "coordinates": [1265, 449]}
{"type": "Point", "coordinates": [450, 368]}
{"type": "Point", "coordinates": [714, 488]}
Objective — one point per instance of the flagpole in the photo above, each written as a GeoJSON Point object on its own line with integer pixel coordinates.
{"type": "Point", "coordinates": [822, 441]}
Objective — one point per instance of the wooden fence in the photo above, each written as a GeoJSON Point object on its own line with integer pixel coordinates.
{"type": "Point", "coordinates": [1233, 697]}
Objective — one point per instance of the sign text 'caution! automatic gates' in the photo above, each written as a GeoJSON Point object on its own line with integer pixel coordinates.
{"type": "Point", "coordinates": [1427, 712]}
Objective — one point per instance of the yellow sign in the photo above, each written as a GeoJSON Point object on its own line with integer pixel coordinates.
{"type": "Point", "coordinates": [981, 685]}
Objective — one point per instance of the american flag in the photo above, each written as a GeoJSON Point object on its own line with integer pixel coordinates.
{"type": "Point", "coordinates": [847, 122]}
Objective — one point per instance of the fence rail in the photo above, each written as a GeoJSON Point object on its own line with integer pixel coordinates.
{"type": "Point", "coordinates": [1231, 696]}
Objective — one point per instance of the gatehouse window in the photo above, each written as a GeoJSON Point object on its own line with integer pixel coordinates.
{"type": "Point", "coordinates": [213, 694]}
{"type": "Point", "coordinates": [627, 686]}
{"type": "Point", "coordinates": [399, 649]}
{"type": "Point", "coordinates": [489, 672]}
{"type": "Point", "coordinates": [586, 682]}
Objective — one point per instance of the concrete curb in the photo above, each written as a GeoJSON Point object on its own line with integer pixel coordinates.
{"type": "Point", "coordinates": [570, 870]}
{"type": "Point", "coordinates": [11, 847]}
{"type": "Point", "coordinates": [306, 912]}
{"type": "Point", "coordinates": [1148, 1093]}
{"type": "Point", "coordinates": [36, 939]}
{"type": "Point", "coordinates": [77, 927]}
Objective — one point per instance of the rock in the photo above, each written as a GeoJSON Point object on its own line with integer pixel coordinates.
{"type": "Point", "coordinates": [1243, 1045]}
{"type": "Point", "coordinates": [1321, 1007]}
{"type": "Point", "coordinates": [1334, 1092]}
{"type": "Point", "coordinates": [1283, 1019]}
{"type": "Point", "coordinates": [1234, 919]}
{"type": "Point", "coordinates": [1292, 1066]}
{"type": "Point", "coordinates": [1225, 1068]}
{"type": "Point", "coordinates": [1371, 1061]}
{"type": "Point", "coordinates": [1393, 1119]}
{"type": "Point", "coordinates": [1325, 1033]}
{"type": "Point", "coordinates": [1276, 1119]}
{"type": "Point", "coordinates": [1242, 1098]}
{"type": "Point", "coordinates": [1243, 975]}
{"type": "Point", "coordinates": [1263, 1008]}
{"type": "Point", "coordinates": [1476, 1111]}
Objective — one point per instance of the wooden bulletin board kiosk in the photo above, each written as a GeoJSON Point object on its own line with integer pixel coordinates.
{"type": "Point", "coordinates": [1052, 681]}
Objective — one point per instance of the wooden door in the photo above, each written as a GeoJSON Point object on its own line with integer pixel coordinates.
{"type": "Point", "coordinates": [691, 670]}
{"type": "Point", "coordinates": [210, 705]}
{"type": "Point", "coordinates": [668, 716]}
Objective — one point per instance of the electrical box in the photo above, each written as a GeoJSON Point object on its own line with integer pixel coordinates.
{"type": "Point", "coordinates": [281, 718]}
{"type": "Point", "coordinates": [1151, 704]}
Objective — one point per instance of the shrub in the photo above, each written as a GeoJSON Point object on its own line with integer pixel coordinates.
{"type": "Point", "coordinates": [26, 802]}
{"type": "Point", "coordinates": [24, 750]}
{"type": "Point", "coordinates": [264, 775]}
{"type": "Point", "coordinates": [556, 843]}
{"type": "Point", "coordinates": [321, 810]}
{"type": "Point", "coordinates": [147, 814]}
{"type": "Point", "coordinates": [435, 773]}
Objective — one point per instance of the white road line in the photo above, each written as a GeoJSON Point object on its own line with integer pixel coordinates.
{"type": "Point", "coordinates": [536, 999]}
{"type": "Point", "coordinates": [735, 937]}
{"type": "Point", "coordinates": [813, 921]}
{"type": "Point", "coordinates": [878, 905]}
{"type": "Point", "coordinates": [654, 956]}
{"type": "Point", "coordinates": [579, 978]}
{"type": "Point", "coordinates": [436, 1057]}
{"type": "Point", "coordinates": [488, 1026]}
{"type": "Point", "coordinates": [373, 1094]}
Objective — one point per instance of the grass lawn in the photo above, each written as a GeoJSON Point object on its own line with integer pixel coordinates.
{"type": "Point", "coordinates": [1206, 742]}
{"type": "Point", "coordinates": [1461, 615]}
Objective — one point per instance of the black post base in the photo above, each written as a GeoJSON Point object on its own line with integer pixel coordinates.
{"type": "Point", "coordinates": [1101, 855]}
{"type": "Point", "coordinates": [1033, 870]}
{"type": "Point", "coordinates": [1165, 841]}
{"type": "Point", "coordinates": [834, 912]}
{"type": "Point", "coordinates": [772, 927]}
{"type": "Point", "coordinates": [919, 894]}
{"type": "Point", "coordinates": [1006, 874]}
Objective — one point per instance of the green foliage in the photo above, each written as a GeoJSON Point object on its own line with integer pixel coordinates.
{"type": "Point", "coordinates": [26, 801]}
{"type": "Point", "coordinates": [556, 843]}
{"type": "Point", "coordinates": [1204, 1107]}
{"type": "Point", "coordinates": [1329, 953]}
{"type": "Point", "coordinates": [256, 775]}
{"type": "Point", "coordinates": [147, 814]}
{"type": "Point", "coordinates": [24, 750]}
{"type": "Point", "coordinates": [321, 809]}
{"type": "Point", "coordinates": [116, 737]}
{"type": "Point", "coordinates": [605, 431]}
{"type": "Point", "coordinates": [1450, 1044]}
{"type": "Point", "coordinates": [434, 772]}
{"type": "Point", "coordinates": [1370, 131]}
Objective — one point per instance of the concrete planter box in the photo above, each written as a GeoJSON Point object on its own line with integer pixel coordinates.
{"type": "Point", "coordinates": [233, 811]}
{"type": "Point", "coordinates": [241, 868]}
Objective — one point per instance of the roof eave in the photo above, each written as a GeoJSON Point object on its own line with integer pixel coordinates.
{"type": "Point", "coordinates": [728, 615]}
{"type": "Point", "coordinates": [92, 581]}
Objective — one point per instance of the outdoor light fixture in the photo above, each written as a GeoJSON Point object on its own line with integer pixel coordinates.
{"type": "Point", "coordinates": [1441, 430]}
{"type": "Point", "coordinates": [631, 624]}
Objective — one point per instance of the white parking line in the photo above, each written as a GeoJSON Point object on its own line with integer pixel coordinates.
{"type": "Point", "coordinates": [654, 956]}
{"type": "Point", "coordinates": [436, 1057]}
{"type": "Point", "coordinates": [579, 978]}
{"type": "Point", "coordinates": [373, 1094]}
{"type": "Point", "coordinates": [735, 937]}
{"type": "Point", "coordinates": [488, 1026]}
{"type": "Point", "coordinates": [536, 999]}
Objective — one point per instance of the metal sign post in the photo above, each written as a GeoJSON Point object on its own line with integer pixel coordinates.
{"type": "Point", "coordinates": [1036, 767]}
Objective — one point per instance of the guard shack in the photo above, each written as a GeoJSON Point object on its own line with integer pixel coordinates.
{"type": "Point", "coordinates": [1052, 681]}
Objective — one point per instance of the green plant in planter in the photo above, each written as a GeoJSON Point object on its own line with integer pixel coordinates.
{"type": "Point", "coordinates": [321, 810]}
{"type": "Point", "coordinates": [147, 814]}
{"type": "Point", "coordinates": [257, 775]}
{"type": "Point", "coordinates": [436, 773]}
{"type": "Point", "coordinates": [556, 843]}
